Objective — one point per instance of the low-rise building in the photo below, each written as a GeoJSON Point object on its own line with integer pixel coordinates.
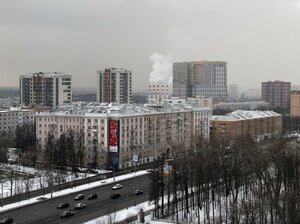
{"type": "Point", "coordinates": [11, 118]}
{"type": "Point", "coordinates": [114, 134]}
{"type": "Point", "coordinates": [201, 101]}
{"type": "Point", "coordinates": [232, 106]}
{"type": "Point", "coordinates": [258, 124]}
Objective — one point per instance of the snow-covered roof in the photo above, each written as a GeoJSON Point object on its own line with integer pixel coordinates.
{"type": "Point", "coordinates": [121, 110]}
{"type": "Point", "coordinates": [243, 115]}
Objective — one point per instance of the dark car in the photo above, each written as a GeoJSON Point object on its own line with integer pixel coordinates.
{"type": "Point", "coordinates": [63, 205]}
{"type": "Point", "coordinates": [92, 196]}
{"type": "Point", "coordinates": [93, 171]}
{"type": "Point", "coordinates": [41, 198]}
{"type": "Point", "coordinates": [114, 196]}
{"type": "Point", "coordinates": [138, 192]}
{"type": "Point", "coordinates": [66, 214]}
{"type": "Point", "coordinates": [6, 220]}
{"type": "Point", "coordinates": [79, 197]}
{"type": "Point", "coordinates": [79, 206]}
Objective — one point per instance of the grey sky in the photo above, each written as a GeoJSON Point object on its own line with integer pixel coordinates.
{"type": "Point", "coordinates": [259, 39]}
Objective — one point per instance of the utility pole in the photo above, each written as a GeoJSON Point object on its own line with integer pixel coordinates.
{"type": "Point", "coordinates": [1, 193]}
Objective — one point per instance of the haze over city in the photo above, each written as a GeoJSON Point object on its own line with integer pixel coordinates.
{"type": "Point", "coordinates": [258, 39]}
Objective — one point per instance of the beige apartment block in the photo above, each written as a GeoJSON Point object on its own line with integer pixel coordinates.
{"type": "Point", "coordinates": [122, 131]}
{"type": "Point", "coordinates": [11, 118]}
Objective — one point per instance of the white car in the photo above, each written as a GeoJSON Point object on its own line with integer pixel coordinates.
{"type": "Point", "coordinates": [117, 186]}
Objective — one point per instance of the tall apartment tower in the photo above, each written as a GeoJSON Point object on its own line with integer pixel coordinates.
{"type": "Point", "coordinates": [277, 94]}
{"type": "Point", "coordinates": [45, 89]}
{"type": "Point", "coordinates": [114, 85]}
{"type": "Point", "coordinates": [200, 78]}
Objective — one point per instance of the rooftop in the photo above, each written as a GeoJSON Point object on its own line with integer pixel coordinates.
{"type": "Point", "coordinates": [46, 75]}
{"type": "Point", "coordinates": [243, 115]}
{"type": "Point", "coordinates": [118, 110]}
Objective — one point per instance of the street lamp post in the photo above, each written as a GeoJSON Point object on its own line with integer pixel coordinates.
{"type": "Point", "coordinates": [134, 199]}
{"type": "Point", "coordinates": [114, 175]}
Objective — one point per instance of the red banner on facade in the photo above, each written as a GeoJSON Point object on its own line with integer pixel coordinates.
{"type": "Point", "coordinates": [113, 136]}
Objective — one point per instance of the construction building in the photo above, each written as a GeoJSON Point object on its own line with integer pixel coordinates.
{"type": "Point", "coordinates": [200, 78]}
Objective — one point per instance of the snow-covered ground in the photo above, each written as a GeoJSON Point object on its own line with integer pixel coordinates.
{"type": "Point", "coordinates": [42, 178]}
{"type": "Point", "coordinates": [72, 190]}
{"type": "Point", "coordinates": [123, 214]}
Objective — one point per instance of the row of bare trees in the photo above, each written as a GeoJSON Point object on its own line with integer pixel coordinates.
{"type": "Point", "coordinates": [63, 152]}
{"type": "Point", "coordinates": [24, 139]}
{"type": "Point", "coordinates": [238, 183]}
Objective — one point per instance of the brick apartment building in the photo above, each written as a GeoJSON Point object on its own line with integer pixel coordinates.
{"type": "Point", "coordinates": [258, 124]}
{"type": "Point", "coordinates": [295, 104]}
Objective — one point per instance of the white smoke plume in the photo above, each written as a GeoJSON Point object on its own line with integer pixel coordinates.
{"type": "Point", "coordinates": [161, 68]}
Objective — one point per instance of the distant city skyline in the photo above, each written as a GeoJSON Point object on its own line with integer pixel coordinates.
{"type": "Point", "coordinates": [258, 39]}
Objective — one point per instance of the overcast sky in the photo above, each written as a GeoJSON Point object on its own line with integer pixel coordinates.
{"type": "Point", "coordinates": [260, 39]}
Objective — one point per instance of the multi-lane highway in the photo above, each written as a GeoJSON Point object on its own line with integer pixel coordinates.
{"type": "Point", "coordinates": [46, 211]}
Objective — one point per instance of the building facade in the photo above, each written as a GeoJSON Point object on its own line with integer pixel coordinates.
{"type": "Point", "coordinates": [277, 94]}
{"type": "Point", "coordinates": [45, 89]}
{"type": "Point", "coordinates": [201, 101]}
{"type": "Point", "coordinates": [258, 124]}
{"type": "Point", "coordinates": [11, 118]}
{"type": "Point", "coordinates": [200, 78]}
{"type": "Point", "coordinates": [114, 134]}
{"type": "Point", "coordinates": [158, 93]}
{"type": "Point", "coordinates": [295, 104]}
{"type": "Point", "coordinates": [114, 86]}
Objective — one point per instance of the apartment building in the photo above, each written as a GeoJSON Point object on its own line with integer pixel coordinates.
{"type": "Point", "coordinates": [200, 78]}
{"type": "Point", "coordinates": [114, 86]}
{"type": "Point", "coordinates": [258, 124]}
{"type": "Point", "coordinates": [114, 134]}
{"type": "Point", "coordinates": [45, 89]}
{"type": "Point", "coordinates": [295, 104]}
{"type": "Point", "coordinates": [11, 118]}
{"type": "Point", "coordinates": [277, 94]}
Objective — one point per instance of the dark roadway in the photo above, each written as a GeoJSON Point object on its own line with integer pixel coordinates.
{"type": "Point", "coordinates": [46, 211]}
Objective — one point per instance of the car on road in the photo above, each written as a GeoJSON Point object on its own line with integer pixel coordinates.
{"type": "Point", "coordinates": [93, 171]}
{"type": "Point", "coordinates": [41, 199]}
{"type": "Point", "coordinates": [138, 192]}
{"type": "Point", "coordinates": [79, 197]}
{"type": "Point", "coordinates": [79, 206]}
{"type": "Point", "coordinates": [63, 205]}
{"type": "Point", "coordinates": [6, 220]}
{"type": "Point", "coordinates": [66, 214]}
{"type": "Point", "coordinates": [92, 196]}
{"type": "Point", "coordinates": [115, 195]}
{"type": "Point", "coordinates": [117, 186]}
